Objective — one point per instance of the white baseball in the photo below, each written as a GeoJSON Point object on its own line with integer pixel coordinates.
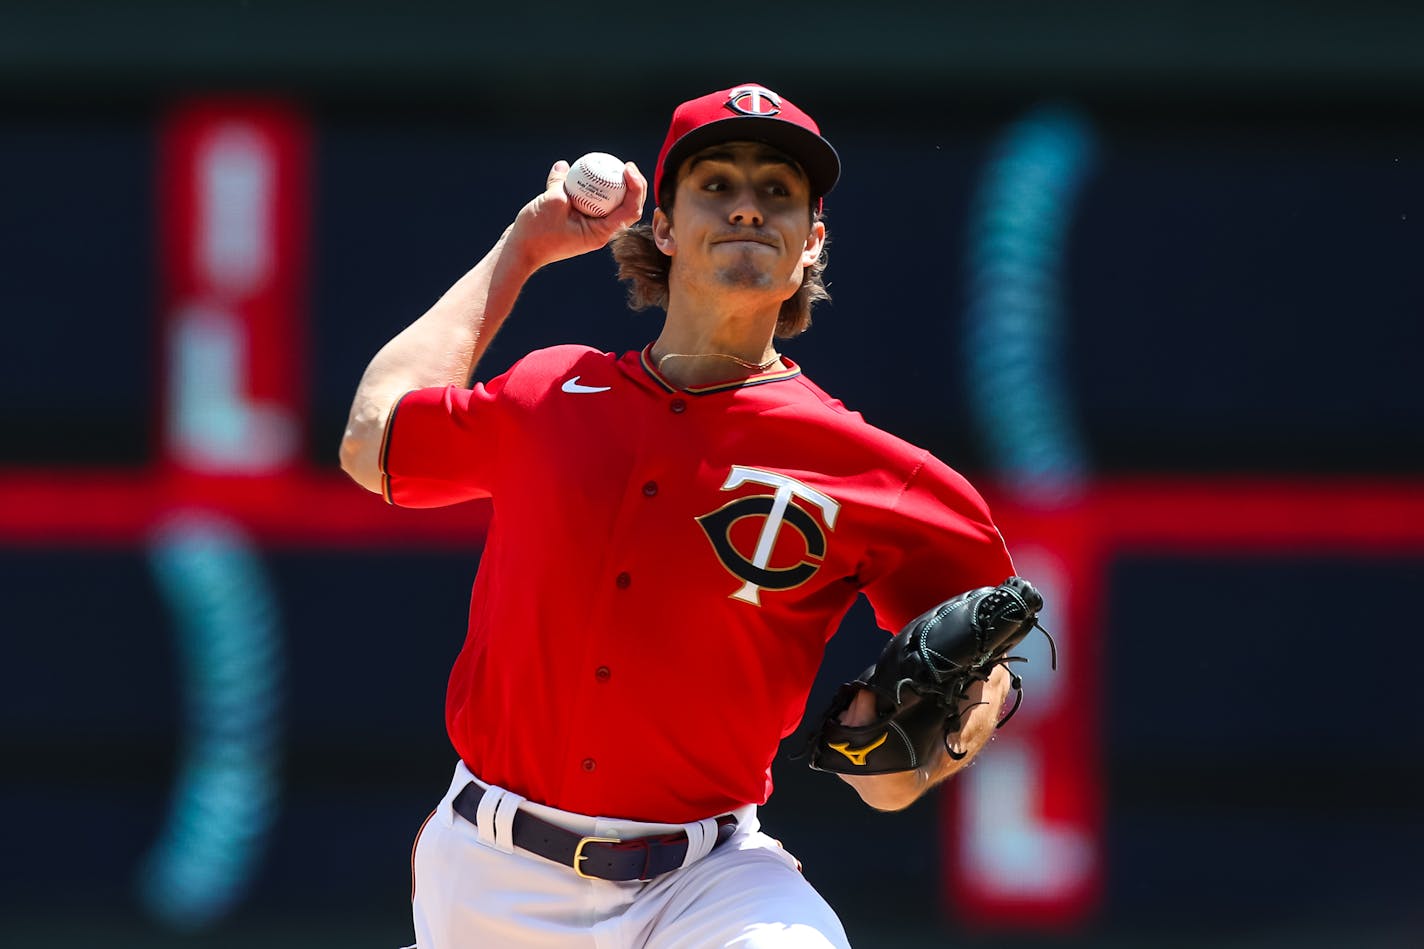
{"type": "Point", "coordinates": [595, 184]}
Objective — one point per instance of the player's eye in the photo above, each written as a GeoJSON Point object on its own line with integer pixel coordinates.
{"type": "Point", "coordinates": [777, 182]}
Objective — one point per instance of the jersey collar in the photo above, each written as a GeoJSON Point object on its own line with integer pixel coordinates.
{"type": "Point", "coordinates": [761, 378]}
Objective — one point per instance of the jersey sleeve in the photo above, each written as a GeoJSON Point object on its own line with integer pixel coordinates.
{"type": "Point", "coordinates": [441, 445]}
{"type": "Point", "coordinates": [939, 540]}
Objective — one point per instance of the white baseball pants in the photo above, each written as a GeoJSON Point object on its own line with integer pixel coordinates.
{"type": "Point", "coordinates": [473, 890]}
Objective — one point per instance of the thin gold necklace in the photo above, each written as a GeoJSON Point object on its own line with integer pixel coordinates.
{"type": "Point", "coordinates": [753, 366]}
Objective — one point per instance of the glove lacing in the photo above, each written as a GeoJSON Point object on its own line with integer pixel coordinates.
{"type": "Point", "coordinates": [981, 674]}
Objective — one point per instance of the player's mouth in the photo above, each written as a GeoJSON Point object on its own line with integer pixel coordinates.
{"type": "Point", "coordinates": [745, 239]}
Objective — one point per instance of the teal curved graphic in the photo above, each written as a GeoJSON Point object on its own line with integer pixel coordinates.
{"type": "Point", "coordinates": [1016, 332]}
{"type": "Point", "coordinates": [226, 795]}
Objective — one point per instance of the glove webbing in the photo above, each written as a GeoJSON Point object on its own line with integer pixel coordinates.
{"type": "Point", "coordinates": [981, 673]}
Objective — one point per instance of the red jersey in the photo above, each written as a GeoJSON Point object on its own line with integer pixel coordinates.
{"type": "Point", "coordinates": [664, 568]}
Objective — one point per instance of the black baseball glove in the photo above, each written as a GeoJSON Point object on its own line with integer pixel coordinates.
{"type": "Point", "coordinates": [922, 678]}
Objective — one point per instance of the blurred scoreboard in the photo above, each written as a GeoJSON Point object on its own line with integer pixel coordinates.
{"type": "Point", "coordinates": [190, 579]}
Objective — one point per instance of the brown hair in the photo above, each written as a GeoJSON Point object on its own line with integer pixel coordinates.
{"type": "Point", "coordinates": [646, 269]}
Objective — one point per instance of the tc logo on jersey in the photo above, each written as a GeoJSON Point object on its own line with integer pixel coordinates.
{"type": "Point", "coordinates": [782, 508]}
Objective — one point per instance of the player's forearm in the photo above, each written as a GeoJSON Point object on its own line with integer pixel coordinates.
{"type": "Point", "coordinates": [440, 348]}
{"type": "Point", "coordinates": [444, 346]}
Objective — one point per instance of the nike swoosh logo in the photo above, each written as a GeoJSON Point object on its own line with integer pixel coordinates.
{"type": "Point", "coordinates": [572, 385]}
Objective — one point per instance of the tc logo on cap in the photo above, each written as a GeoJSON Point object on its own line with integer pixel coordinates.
{"type": "Point", "coordinates": [754, 100]}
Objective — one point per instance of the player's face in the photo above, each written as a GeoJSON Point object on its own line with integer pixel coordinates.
{"type": "Point", "coordinates": [741, 221]}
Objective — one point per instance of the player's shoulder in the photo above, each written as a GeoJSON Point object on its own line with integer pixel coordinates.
{"type": "Point", "coordinates": [536, 370]}
{"type": "Point", "coordinates": [560, 358]}
{"type": "Point", "coordinates": [814, 398]}
{"type": "Point", "coordinates": [834, 412]}
{"type": "Point", "coordinates": [852, 430]}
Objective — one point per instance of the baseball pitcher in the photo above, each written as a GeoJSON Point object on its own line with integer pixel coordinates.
{"type": "Point", "coordinates": [677, 532]}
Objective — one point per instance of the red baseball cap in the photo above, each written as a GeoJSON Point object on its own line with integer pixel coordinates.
{"type": "Point", "coordinates": [748, 113]}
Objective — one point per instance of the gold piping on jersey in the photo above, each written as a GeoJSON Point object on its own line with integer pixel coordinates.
{"type": "Point", "coordinates": [381, 456]}
{"type": "Point", "coordinates": [760, 378]}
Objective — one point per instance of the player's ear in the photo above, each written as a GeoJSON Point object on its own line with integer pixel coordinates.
{"type": "Point", "coordinates": [815, 240]}
{"type": "Point", "coordinates": [662, 232]}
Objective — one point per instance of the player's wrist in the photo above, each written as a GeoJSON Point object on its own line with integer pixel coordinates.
{"type": "Point", "coordinates": [519, 255]}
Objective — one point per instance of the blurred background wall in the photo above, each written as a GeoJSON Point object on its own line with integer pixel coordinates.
{"type": "Point", "coordinates": [1149, 273]}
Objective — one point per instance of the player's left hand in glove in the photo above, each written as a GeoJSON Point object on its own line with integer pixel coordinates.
{"type": "Point", "coordinates": [922, 679]}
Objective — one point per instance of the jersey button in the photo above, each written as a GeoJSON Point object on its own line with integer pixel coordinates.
{"type": "Point", "coordinates": [603, 673]}
{"type": "Point", "coordinates": [651, 488]}
{"type": "Point", "coordinates": [678, 406]}
{"type": "Point", "coordinates": [589, 764]}
{"type": "Point", "coordinates": [623, 580]}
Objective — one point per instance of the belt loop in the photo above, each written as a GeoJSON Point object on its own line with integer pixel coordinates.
{"type": "Point", "coordinates": [701, 838]}
{"type": "Point", "coordinates": [484, 822]}
{"type": "Point", "coordinates": [504, 812]}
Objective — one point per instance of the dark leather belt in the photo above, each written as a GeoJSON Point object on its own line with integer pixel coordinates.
{"type": "Point", "coordinates": [602, 858]}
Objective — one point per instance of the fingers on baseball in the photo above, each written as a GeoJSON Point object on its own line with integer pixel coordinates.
{"type": "Point", "coordinates": [557, 173]}
{"type": "Point", "coordinates": [633, 178]}
{"type": "Point", "coordinates": [630, 211]}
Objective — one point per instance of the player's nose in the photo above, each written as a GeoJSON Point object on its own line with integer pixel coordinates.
{"type": "Point", "coordinates": [745, 208]}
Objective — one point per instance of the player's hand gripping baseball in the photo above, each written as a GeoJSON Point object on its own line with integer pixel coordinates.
{"type": "Point", "coordinates": [549, 229]}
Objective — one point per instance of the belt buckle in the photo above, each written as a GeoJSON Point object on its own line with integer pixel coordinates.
{"type": "Point", "coordinates": [580, 856]}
